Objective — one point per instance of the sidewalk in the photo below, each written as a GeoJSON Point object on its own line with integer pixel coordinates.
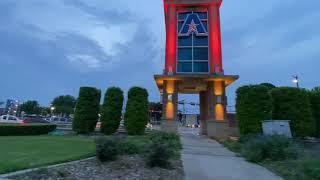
{"type": "Point", "coordinates": [206, 159]}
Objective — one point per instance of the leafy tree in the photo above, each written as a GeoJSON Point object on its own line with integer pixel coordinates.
{"type": "Point", "coordinates": [136, 116]}
{"type": "Point", "coordinates": [87, 110]}
{"type": "Point", "coordinates": [30, 107]}
{"type": "Point", "coordinates": [293, 104]}
{"type": "Point", "coordinates": [64, 104]}
{"type": "Point", "coordinates": [315, 106]}
{"type": "Point", "coordinates": [111, 110]}
{"type": "Point", "coordinates": [253, 105]}
{"type": "Point", "coordinates": [268, 85]}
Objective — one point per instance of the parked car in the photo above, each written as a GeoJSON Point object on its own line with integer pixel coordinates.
{"type": "Point", "coordinates": [36, 120]}
{"type": "Point", "coordinates": [11, 119]}
{"type": "Point", "coordinates": [59, 120]}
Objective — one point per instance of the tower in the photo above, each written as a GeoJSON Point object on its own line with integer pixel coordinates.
{"type": "Point", "coordinates": [193, 63]}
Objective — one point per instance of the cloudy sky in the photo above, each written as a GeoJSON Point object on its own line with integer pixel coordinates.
{"type": "Point", "coordinates": [49, 48]}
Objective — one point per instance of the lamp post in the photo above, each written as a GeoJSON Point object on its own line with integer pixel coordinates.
{"type": "Point", "coordinates": [296, 80]}
{"type": "Point", "coordinates": [52, 109]}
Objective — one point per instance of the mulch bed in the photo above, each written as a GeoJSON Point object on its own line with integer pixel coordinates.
{"type": "Point", "coordinates": [125, 168]}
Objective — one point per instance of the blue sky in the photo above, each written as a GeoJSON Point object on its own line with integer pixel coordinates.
{"type": "Point", "coordinates": [50, 48]}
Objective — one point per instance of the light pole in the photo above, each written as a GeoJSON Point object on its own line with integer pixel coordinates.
{"type": "Point", "coordinates": [52, 109]}
{"type": "Point", "coordinates": [296, 80]}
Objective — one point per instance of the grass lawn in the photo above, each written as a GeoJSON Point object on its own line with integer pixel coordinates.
{"type": "Point", "coordinates": [21, 152]}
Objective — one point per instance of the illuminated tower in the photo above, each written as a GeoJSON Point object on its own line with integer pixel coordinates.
{"type": "Point", "coordinates": [193, 62]}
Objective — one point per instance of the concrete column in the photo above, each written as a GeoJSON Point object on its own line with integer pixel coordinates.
{"type": "Point", "coordinates": [203, 112]}
{"type": "Point", "coordinates": [170, 105]}
{"type": "Point", "coordinates": [210, 101]}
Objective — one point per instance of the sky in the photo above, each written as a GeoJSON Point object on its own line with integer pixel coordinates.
{"type": "Point", "coordinates": [51, 48]}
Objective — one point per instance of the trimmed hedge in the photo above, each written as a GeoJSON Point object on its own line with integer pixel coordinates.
{"type": "Point", "coordinates": [24, 130]}
{"type": "Point", "coordinates": [253, 105]}
{"type": "Point", "coordinates": [315, 106]}
{"type": "Point", "coordinates": [293, 104]}
{"type": "Point", "coordinates": [136, 116]}
{"type": "Point", "coordinates": [87, 110]}
{"type": "Point", "coordinates": [268, 85]}
{"type": "Point", "coordinates": [111, 110]}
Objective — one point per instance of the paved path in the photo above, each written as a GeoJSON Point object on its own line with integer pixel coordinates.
{"type": "Point", "coordinates": [206, 159]}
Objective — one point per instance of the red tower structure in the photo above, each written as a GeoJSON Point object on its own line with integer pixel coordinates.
{"type": "Point", "coordinates": [193, 63]}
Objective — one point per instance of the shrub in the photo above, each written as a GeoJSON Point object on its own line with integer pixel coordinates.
{"type": "Point", "coordinates": [107, 148]}
{"type": "Point", "coordinates": [129, 147]}
{"type": "Point", "coordinates": [136, 116]}
{"type": "Point", "coordinates": [293, 104]}
{"type": "Point", "coordinates": [171, 138]}
{"type": "Point", "coordinates": [253, 150]}
{"type": "Point", "coordinates": [87, 109]}
{"type": "Point", "coordinates": [159, 154]}
{"type": "Point", "coordinates": [23, 130]}
{"type": "Point", "coordinates": [311, 169]}
{"type": "Point", "coordinates": [111, 110]}
{"type": "Point", "coordinates": [232, 145]}
{"type": "Point", "coordinates": [274, 147]}
{"type": "Point", "coordinates": [280, 148]}
{"type": "Point", "coordinates": [315, 106]}
{"type": "Point", "coordinates": [253, 105]}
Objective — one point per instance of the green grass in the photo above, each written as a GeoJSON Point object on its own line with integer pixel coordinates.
{"type": "Point", "coordinates": [22, 152]}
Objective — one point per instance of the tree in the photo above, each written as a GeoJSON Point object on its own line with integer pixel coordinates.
{"type": "Point", "coordinates": [136, 116]}
{"type": "Point", "coordinates": [268, 85]}
{"type": "Point", "coordinates": [315, 106]}
{"type": "Point", "coordinates": [293, 104]}
{"type": "Point", "coordinates": [30, 107]}
{"type": "Point", "coordinates": [64, 104]}
{"type": "Point", "coordinates": [253, 105]}
{"type": "Point", "coordinates": [87, 110]}
{"type": "Point", "coordinates": [111, 110]}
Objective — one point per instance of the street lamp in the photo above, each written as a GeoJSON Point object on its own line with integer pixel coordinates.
{"type": "Point", "coordinates": [296, 80]}
{"type": "Point", "coordinates": [52, 109]}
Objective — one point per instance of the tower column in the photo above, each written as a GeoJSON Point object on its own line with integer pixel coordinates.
{"type": "Point", "coordinates": [171, 39]}
{"type": "Point", "coordinates": [170, 105]}
{"type": "Point", "coordinates": [215, 39]}
{"type": "Point", "coordinates": [203, 112]}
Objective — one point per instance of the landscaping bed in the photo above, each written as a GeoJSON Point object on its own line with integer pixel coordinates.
{"type": "Point", "coordinates": [298, 160]}
{"type": "Point", "coordinates": [152, 156]}
{"type": "Point", "coordinates": [126, 167]}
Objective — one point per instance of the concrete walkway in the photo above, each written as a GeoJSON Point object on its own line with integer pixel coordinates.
{"type": "Point", "coordinates": [206, 159]}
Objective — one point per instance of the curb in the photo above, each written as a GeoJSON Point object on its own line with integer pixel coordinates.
{"type": "Point", "coordinates": [16, 173]}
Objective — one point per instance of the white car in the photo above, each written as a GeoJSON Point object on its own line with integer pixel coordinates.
{"type": "Point", "coordinates": [11, 119]}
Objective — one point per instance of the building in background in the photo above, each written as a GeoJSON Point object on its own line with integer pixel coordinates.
{"type": "Point", "coordinates": [193, 63]}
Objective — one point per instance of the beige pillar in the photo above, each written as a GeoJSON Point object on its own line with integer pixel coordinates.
{"type": "Point", "coordinates": [170, 105]}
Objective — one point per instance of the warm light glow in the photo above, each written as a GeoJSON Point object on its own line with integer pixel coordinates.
{"type": "Point", "coordinates": [218, 88]}
{"type": "Point", "coordinates": [219, 111]}
{"type": "Point", "coordinates": [170, 87]}
{"type": "Point", "coordinates": [170, 111]}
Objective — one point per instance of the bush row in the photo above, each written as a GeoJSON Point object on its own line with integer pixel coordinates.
{"type": "Point", "coordinates": [23, 130]}
{"type": "Point", "coordinates": [88, 107]}
{"type": "Point", "coordinates": [158, 148]}
{"type": "Point", "coordinates": [256, 103]}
